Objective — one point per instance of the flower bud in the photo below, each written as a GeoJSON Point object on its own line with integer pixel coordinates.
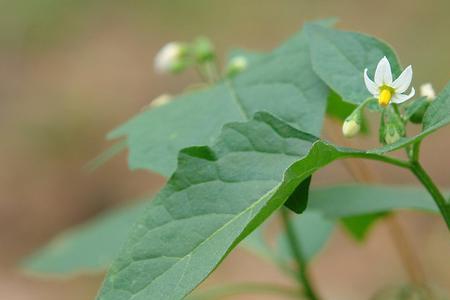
{"type": "Point", "coordinates": [352, 124]}
{"type": "Point", "coordinates": [203, 50]}
{"type": "Point", "coordinates": [237, 65]}
{"type": "Point", "coordinates": [170, 58]}
{"type": "Point", "coordinates": [394, 127]}
{"type": "Point", "coordinates": [426, 90]}
{"type": "Point", "coordinates": [391, 134]}
{"type": "Point", "coordinates": [350, 128]}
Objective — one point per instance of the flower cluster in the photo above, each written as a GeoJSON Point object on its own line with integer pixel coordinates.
{"type": "Point", "coordinates": [389, 93]}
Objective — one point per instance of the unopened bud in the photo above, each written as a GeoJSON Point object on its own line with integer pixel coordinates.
{"type": "Point", "coordinates": [352, 124]}
{"type": "Point", "coordinates": [203, 50]}
{"type": "Point", "coordinates": [237, 65]}
{"type": "Point", "coordinates": [170, 58]}
{"type": "Point", "coordinates": [392, 134]}
{"type": "Point", "coordinates": [350, 128]}
{"type": "Point", "coordinates": [426, 90]}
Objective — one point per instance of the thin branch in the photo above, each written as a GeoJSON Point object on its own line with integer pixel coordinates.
{"type": "Point", "coordinates": [361, 172]}
{"type": "Point", "coordinates": [294, 243]}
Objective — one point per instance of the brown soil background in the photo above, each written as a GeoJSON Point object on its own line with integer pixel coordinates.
{"type": "Point", "coordinates": [71, 71]}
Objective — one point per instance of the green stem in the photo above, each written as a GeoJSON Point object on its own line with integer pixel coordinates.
{"type": "Point", "coordinates": [416, 168]}
{"type": "Point", "coordinates": [428, 183]}
{"type": "Point", "coordinates": [294, 243]}
{"type": "Point", "coordinates": [389, 160]}
{"type": "Point", "coordinates": [230, 290]}
{"type": "Point", "coordinates": [203, 76]}
{"type": "Point", "coordinates": [415, 151]}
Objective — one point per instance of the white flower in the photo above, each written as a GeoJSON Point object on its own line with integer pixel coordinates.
{"type": "Point", "coordinates": [384, 88]}
{"type": "Point", "coordinates": [426, 90]}
{"type": "Point", "coordinates": [167, 58]}
{"type": "Point", "coordinates": [350, 128]}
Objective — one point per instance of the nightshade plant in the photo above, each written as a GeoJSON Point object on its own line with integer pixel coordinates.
{"type": "Point", "coordinates": [243, 148]}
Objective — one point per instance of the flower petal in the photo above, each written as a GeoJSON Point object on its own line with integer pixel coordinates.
{"type": "Point", "coordinates": [401, 84]}
{"type": "Point", "coordinates": [400, 98]}
{"type": "Point", "coordinates": [370, 85]}
{"type": "Point", "coordinates": [383, 74]}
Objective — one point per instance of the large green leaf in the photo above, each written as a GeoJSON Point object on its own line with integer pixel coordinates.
{"type": "Point", "coordinates": [216, 197]}
{"type": "Point", "coordinates": [282, 83]}
{"type": "Point", "coordinates": [340, 57]}
{"type": "Point", "coordinates": [93, 245]}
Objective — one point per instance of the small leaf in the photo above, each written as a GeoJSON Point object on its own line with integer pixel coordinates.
{"type": "Point", "coordinates": [416, 109]}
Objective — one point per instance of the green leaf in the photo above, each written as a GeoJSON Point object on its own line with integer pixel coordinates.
{"type": "Point", "coordinates": [94, 245]}
{"type": "Point", "coordinates": [282, 83]}
{"type": "Point", "coordinates": [359, 226]}
{"type": "Point", "coordinates": [298, 201]}
{"type": "Point", "coordinates": [256, 243]}
{"type": "Point", "coordinates": [340, 57]}
{"type": "Point", "coordinates": [354, 200]}
{"type": "Point", "coordinates": [217, 196]}
{"type": "Point", "coordinates": [416, 110]}
{"type": "Point", "coordinates": [91, 246]}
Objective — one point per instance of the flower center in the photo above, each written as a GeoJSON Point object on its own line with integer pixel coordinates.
{"type": "Point", "coordinates": [385, 96]}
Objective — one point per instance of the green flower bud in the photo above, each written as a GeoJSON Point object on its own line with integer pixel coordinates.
{"type": "Point", "coordinates": [203, 50]}
{"type": "Point", "coordinates": [391, 134]}
{"type": "Point", "coordinates": [352, 124]}
{"type": "Point", "coordinates": [236, 65]}
{"type": "Point", "coordinates": [178, 66]}
{"type": "Point", "coordinates": [394, 128]}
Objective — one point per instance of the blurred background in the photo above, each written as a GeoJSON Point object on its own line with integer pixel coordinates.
{"type": "Point", "coordinates": [71, 70]}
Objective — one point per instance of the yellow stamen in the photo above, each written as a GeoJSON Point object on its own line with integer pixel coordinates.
{"type": "Point", "coordinates": [385, 97]}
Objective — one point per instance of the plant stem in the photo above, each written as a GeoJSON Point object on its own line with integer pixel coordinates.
{"type": "Point", "coordinates": [389, 160]}
{"type": "Point", "coordinates": [428, 183]}
{"type": "Point", "coordinates": [361, 172]}
{"type": "Point", "coordinates": [294, 243]}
